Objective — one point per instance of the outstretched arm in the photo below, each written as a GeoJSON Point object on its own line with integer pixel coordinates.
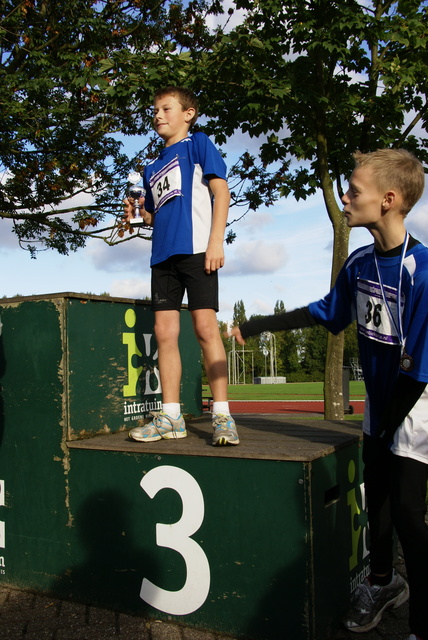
{"type": "Point", "coordinates": [297, 319]}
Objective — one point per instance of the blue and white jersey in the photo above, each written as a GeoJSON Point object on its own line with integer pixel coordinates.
{"type": "Point", "coordinates": [177, 192]}
{"type": "Point", "coordinates": [357, 294]}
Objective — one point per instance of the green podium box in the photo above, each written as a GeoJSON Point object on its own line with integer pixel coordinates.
{"type": "Point", "coordinates": [262, 541]}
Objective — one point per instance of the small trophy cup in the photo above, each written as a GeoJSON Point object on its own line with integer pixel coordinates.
{"type": "Point", "coordinates": [136, 191]}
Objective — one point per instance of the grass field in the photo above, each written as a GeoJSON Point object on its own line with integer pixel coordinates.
{"type": "Point", "coordinates": [289, 391]}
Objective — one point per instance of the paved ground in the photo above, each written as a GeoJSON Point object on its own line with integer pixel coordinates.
{"type": "Point", "coordinates": [30, 616]}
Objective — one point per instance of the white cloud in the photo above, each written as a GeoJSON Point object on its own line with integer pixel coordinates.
{"type": "Point", "coordinates": [262, 307]}
{"type": "Point", "coordinates": [257, 256]}
{"type": "Point", "coordinates": [252, 222]}
{"type": "Point", "coordinates": [233, 20]}
{"type": "Point", "coordinates": [8, 239]}
{"type": "Point", "coordinates": [290, 206]}
{"type": "Point", "coordinates": [136, 288]}
{"type": "Point", "coordinates": [132, 256]}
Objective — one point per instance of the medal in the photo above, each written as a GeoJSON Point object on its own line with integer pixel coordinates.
{"type": "Point", "coordinates": [406, 362]}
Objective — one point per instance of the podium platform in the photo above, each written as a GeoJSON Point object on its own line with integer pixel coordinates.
{"type": "Point", "coordinates": [277, 523]}
{"type": "Point", "coordinates": [265, 540]}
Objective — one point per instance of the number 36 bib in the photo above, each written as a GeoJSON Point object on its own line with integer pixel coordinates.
{"type": "Point", "coordinates": [166, 183]}
{"type": "Point", "coordinates": [374, 320]}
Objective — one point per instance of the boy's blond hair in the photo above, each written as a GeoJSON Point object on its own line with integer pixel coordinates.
{"type": "Point", "coordinates": [395, 169]}
{"type": "Point", "coordinates": [185, 97]}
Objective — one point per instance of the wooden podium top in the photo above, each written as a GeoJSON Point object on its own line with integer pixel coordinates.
{"type": "Point", "coordinates": [262, 436]}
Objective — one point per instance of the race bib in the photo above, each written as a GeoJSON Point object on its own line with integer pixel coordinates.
{"type": "Point", "coordinates": [374, 319]}
{"type": "Point", "coordinates": [166, 183]}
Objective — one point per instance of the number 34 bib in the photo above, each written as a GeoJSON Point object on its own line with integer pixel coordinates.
{"type": "Point", "coordinates": [166, 183]}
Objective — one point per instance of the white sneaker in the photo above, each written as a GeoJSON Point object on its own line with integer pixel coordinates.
{"type": "Point", "coordinates": [162, 426]}
{"type": "Point", "coordinates": [224, 430]}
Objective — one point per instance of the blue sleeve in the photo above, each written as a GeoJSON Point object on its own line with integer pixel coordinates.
{"type": "Point", "coordinates": [337, 310]}
{"type": "Point", "coordinates": [208, 156]}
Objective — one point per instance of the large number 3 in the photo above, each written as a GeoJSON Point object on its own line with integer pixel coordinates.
{"type": "Point", "coordinates": [177, 536]}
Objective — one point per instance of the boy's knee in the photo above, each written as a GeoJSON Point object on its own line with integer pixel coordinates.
{"type": "Point", "coordinates": [206, 332]}
{"type": "Point", "coordinates": [165, 332]}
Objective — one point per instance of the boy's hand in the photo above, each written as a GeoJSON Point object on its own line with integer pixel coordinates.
{"type": "Point", "coordinates": [129, 211]}
{"type": "Point", "coordinates": [214, 257]}
{"type": "Point", "coordinates": [235, 332]}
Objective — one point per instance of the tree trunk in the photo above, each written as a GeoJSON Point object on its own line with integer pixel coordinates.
{"type": "Point", "coordinates": [333, 392]}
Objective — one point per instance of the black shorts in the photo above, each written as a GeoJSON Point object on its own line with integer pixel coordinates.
{"type": "Point", "coordinates": [180, 273]}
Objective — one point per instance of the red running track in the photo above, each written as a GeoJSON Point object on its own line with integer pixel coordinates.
{"type": "Point", "coordinates": [284, 406]}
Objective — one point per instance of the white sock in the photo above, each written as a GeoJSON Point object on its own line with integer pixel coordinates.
{"type": "Point", "coordinates": [221, 407]}
{"type": "Point", "coordinates": [172, 409]}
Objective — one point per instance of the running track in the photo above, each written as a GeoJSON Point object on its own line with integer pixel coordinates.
{"type": "Point", "coordinates": [298, 407]}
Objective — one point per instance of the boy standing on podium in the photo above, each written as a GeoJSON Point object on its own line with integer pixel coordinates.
{"type": "Point", "coordinates": [186, 203]}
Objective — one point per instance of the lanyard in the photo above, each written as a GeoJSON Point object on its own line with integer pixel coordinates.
{"type": "Point", "coordinates": [399, 323]}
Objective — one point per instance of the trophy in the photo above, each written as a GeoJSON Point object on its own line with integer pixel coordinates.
{"type": "Point", "coordinates": [136, 191]}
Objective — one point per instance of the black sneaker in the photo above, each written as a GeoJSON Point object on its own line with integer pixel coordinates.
{"type": "Point", "coordinates": [370, 601]}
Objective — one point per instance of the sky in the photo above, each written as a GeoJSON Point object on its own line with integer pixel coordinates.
{"type": "Point", "coordinates": [281, 253]}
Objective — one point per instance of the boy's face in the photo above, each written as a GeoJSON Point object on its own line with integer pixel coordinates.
{"type": "Point", "coordinates": [364, 200]}
{"type": "Point", "coordinates": [170, 120]}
